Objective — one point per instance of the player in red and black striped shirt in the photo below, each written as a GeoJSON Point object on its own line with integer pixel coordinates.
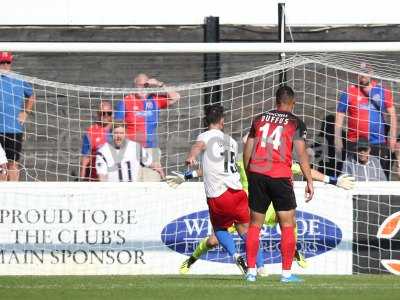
{"type": "Point", "coordinates": [268, 159]}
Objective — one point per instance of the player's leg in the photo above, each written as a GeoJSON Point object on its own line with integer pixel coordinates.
{"type": "Point", "coordinates": [271, 220]}
{"type": "Point", "coordinates": [242, 232]}
{"type": "Point", "coordinates": [258, 202]}
{"type": "Point", "coordinates": [288, 241]}
{"type": "Point", "coordinates": [298, 257]}
{"type": "Point", "coordinates": [242, 225]}
{"type": "Point", "coordinates": [285, 204]}
{"type": "Point", "coordinates": [222, 215]}
{"type": "Point", "coordinates": [205, 244]}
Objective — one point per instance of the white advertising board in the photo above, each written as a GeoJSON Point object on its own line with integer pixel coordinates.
{"type": "Point", "coordinates": [101, 228]}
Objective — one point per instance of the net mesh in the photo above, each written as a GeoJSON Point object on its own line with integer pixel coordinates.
{"type": "Point", "coordinates": [63, 112]}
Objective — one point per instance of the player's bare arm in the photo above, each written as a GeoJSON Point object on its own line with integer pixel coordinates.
{"type": "Point", "coordinates": [196, 150]}
{"type": "Point", "coordinates": [300, 147]}
{"type": "Point", "coordinates": [247, 152]}
{"type": "Point", "coordinates": [344, 181]}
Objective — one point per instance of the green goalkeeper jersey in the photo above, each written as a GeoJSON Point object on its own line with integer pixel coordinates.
{"type": "Point", "coordinates": [270, 215]}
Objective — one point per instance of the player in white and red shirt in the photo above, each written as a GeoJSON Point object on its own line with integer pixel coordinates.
{"type": "Point", "coordinates": [227, 201]}
{"type": "Point", "coordinates": [121, 159]}
{"type": "Point", "coordinates": [267, 159]}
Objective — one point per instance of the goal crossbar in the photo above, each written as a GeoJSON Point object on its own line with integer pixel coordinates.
{"type": "Point", "coordinates": [92, 47]}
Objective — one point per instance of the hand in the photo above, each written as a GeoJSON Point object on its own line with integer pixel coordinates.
{"type": "Point", "coordinates": [158, 168]}
{"type": "Point", "coordinates": [22, 117]}
{"type": "Point", "coordinates": [345, 181]}
{"type": "Point", "coordinates": [309, 191]}
{"type": "Point", "coordinates": [175, 180]}
{"type": "Point", "coordinates": [154, 82]}
{"type": "Point", "coordinates": [191, 161]}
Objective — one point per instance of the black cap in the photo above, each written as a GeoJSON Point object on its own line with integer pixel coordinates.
{"type": "Point", "coordinates": [362, 143]}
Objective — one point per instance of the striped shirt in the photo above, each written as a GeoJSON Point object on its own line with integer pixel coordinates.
{"type": "Point", "coordinates": [371, 171]}
{"type": "Point", "coordinates": [121, 164]}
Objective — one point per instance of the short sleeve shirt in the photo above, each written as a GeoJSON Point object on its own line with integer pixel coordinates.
{"type": "Point", "coordinates": [274, 133]}
{"type": "Point", "coordinates": [13, 92]}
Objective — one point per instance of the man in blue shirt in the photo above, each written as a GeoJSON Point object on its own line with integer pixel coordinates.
{"type": "Point", "coordinates": [16, 102]}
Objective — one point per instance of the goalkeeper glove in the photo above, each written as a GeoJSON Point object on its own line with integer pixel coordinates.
{"type": "Point", "coordinates": [178, 178]}
{"type": "Point", "coordinates": [344, 181]}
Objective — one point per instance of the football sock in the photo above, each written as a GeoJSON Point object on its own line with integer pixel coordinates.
{"type": "Point", "coordinates": [226, 241]}
{"type": "Point", "coordinates": [252, 244]}
{"type": "Point", "coordinates": [201, 248]}
{"type": "Point", "coordinates": [288, 245]}
{"type": "Point", "coordinates": [260, 254]}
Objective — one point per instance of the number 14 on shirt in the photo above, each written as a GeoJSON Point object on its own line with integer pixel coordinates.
{"type": "Point", "coordinates": [274, 138]}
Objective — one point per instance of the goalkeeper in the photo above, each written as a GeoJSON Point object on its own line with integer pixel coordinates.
{"type": "Point", "coordinates": [344, 181]}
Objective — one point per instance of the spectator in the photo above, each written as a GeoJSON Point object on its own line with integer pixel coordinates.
{"type": "Point", "coordinates": [96, 135]}
{"type": "Point", "coordinates": [397, 156]}
{"type": "Point", "coordinates": [140, 111]}
{"type": "Point", "coordinates": [364, 167]}
{"type": "Point", "coordinates": [121, 159]}
{"type": "Point", "coordinates": [3, 165]}
{"type": "Point", "coordinates": [365, 105]}
{"type": "Point", "coordinates": [16, 102]}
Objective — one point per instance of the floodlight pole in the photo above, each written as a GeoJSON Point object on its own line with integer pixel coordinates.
{"type": "Point", "coordinates": [211, 61]}
{"type": "Point", "coordinates": [282, 39]}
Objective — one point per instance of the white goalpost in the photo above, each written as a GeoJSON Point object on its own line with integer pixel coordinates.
{"type": "Point", "coordinates": [117, 235]}
{"type": "Point", "coordinates": [200, 47]}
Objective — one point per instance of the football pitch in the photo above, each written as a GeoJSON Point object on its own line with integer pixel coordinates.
{"type": "Point", "coordinates": [198, 287]}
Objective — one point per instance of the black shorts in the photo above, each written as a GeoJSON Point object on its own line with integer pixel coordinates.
{"type": "Point", "coordinates": [12, 145]}
{"type": "Point", "coordinates": [264, 189]}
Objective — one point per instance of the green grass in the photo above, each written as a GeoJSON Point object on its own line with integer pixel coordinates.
{"type": "Point", "coordinates": [361, 287]}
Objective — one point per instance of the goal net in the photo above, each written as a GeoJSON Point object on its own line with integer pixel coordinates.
{"type": "Point", "coordinates": [62, 113]}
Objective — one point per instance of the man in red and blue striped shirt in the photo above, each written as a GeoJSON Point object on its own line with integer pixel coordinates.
{"type": "Point", "coordinates": [365, 105]}
{"type": "Point", "coordinates": [140, 112]}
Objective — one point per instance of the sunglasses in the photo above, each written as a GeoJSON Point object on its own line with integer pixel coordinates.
{"type": "Point", "coordinates": [106, 113]}
{"type": "Point", "coordinates": [5, 62]}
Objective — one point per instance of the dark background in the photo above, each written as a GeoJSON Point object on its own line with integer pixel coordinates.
{"type": "Point", "coordinates": [369, 212]}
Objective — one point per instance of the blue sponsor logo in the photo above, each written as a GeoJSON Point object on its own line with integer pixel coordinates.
{"type": "Point", "coordinates": [316, 235]}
